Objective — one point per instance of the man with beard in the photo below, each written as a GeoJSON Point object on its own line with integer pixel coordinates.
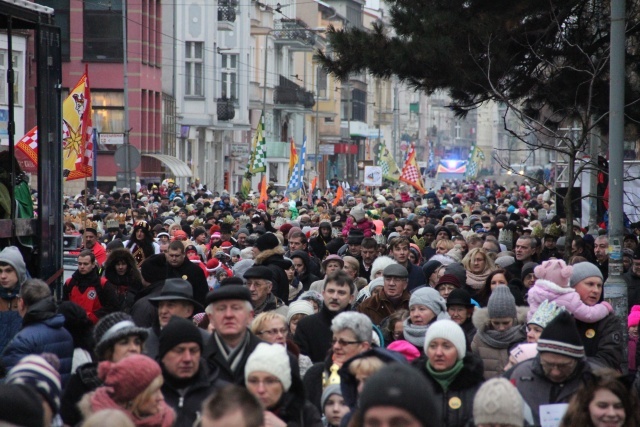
{"type": "Point", "coordinates": [141, 243]}
{"type": "Point", "coordinates": [91, 242]}
{"type": "Point", "coordinates": [91, 292]}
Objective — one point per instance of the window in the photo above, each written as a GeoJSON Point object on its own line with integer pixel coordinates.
{"type": "Point", "coordinates": [17, 73]}
{"type": "Point", "coordinates": [108, 114]}
{"type": "Point", "coordinates": [62, 20]}
{"type": "Point", "coordinates": [321, 79]}
{"type": "Point", "coordinates": [359, 105]}
{"type": "Point", "coordinates": [229, 69]}
{"type": "Point", "coordinates": [193, 64]}
{"type": "Point", "coordinates": [102, 33]}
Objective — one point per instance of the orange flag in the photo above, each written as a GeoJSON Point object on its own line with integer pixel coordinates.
{"type": "Point", "coordinates": [339, 195]}
{"type": "Point", "coordinates": [263, 190]}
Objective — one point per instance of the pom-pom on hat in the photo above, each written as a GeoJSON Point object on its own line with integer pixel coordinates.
{"type": "Point", "coordinates": [555, 271]}
{"type": "Point", "coordinates": [634, 316]}
{"type": "Point", "coordinates": [270, 358]}
{"type": "Point", "coordinates": [37, 372]}
{"type": "Point", "coordinates": [129, 377]}
{"type": "Point", "coordinates": [561, 337]}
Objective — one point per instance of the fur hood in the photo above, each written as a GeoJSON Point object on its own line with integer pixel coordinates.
{"type": "Point", "coordinates": [264, 255]}
{"type": "Point", "coordinates": [481, 319]}
{"type": "Point", "coordinates": [549, 285]}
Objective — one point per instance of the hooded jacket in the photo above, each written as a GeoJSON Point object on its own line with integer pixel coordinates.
{"type": "Point", "coordinates": [274, 260]}
{"type": "Point", "coordinates": [127, 285]}
{"type": "Point", "coordinates": [42, 332]}
{"type": "Point", "coordinates": [306, 278]}
{"type": "Point", "coordinates": [10, 320]}
{"type": "Point", "coordinates": [95, 294]}
{"type": "Point", "coordinates": [464, 388]}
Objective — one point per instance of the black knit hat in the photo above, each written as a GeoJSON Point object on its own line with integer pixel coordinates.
{"type": "Point", "coordinates": [267, 241]}
{"type": "Point", "coordinates": [561, 336]}
{"type": "Point", "coordinates": [397, 385]}
{"type": "Point", "coordinates": [178, 331]}
{"type": "Point", "coordinates": [112, 328]}
{"type": "Point", "coordinates": [21, 405]}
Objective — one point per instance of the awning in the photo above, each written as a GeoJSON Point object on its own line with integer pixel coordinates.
{"type": "Point", "coordinates": [179, 168]}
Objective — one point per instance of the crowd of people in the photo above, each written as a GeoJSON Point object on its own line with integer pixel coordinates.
{"type": "Point", "coordinates": [473, 304]}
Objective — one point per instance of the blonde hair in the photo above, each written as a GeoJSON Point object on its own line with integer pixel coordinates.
{"type": "Point", "coordinates": [448, 243]}
{"type": "Point", "coordinates": [108, 418]}
{"type": "Point", "coordinates": [143, 397]}
{"type": "Point", "coordinates": [365, 366]}
{"type": "Point", "coordinates": [262, 318]}
{"type": "Point", "coordinates": [489, 264]}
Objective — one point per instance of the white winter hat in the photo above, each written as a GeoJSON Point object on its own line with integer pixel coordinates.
{"type": "Point", "coordinates": [270, 358]}
{"type": "Point", "coordinates": [450, 331]}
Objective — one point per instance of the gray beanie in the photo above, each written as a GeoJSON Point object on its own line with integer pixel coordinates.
{"type": "Point", "coordinates": [498, 402]}
{"type": "Point", "coordinates": [501, 303]}
{"type": "Point", "coordinates": [328, 392]}
{"type": "Point", "coordinates": [450, 331]}
{"type": "Point", "coordinates": [581, 271]}
{"type": "Point", "coordinates": [430, 298]}
{"type": "Point", "coordinates": [505, 261]}
{"type": "Point", "coordinates": [12, 256]}
{"type": "Point", "coordinates": [375, 283]}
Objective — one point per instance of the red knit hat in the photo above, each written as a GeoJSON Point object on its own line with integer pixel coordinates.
{"type": "Point", "coordinates": [448, 279]}
{"type": "Point", "coordinates": [129, 377]}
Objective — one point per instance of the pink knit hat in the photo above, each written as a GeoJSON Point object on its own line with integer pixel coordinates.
{"type": "Point", "coordinates": [556, 271]}
{"type": "Point", "coordinates": [408, 350]}
{"type": "Point", "coordinates": [634, 316]}
{"type": "Point", "coordinates": [129, 377]}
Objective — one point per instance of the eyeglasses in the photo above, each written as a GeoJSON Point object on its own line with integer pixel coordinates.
{"type": "Point", "coordinates": [559, 366]}
{"type": "Point", "coordinates": [268, 382]}
{"type": "Point", "coordinates": [343, 343]}
{"type": "Point", "coordinates": [272, 332]}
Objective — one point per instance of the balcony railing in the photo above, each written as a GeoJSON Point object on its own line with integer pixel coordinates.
{"type": "Point", "coordinates": [287, 92]}
{"type": "Point", "coordinates": [294, 32]}
{"type": "Point", "coordinates": [227, 11]}
{"type": "Point", "coordinates": [226, 109]}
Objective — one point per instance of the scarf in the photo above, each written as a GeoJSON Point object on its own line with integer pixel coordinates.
{"type": "Point", "coordinates": [100, 400]}
{"type": "Point", "coordinates": [477, 281]}
{"type": "Point", "coordinates": [9, 294]}
{"type": "Point", "coordinates": [233, 357]}
{"type": "Point", "coordinates": [504, 339]}
{"type": "Point", "coordinates": [445, 378]}
{"type": "Point", "coordinates": [415, 334]}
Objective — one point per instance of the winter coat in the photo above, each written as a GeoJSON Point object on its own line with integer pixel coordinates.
{"type": "Point", "coordinates": [127, 285]}
{"type": "Point", "coordinates": [186, 399]}
{"type": "Point", "coordinates": [633, 288]}
{"type": "Point", "coordinates": [93, 293]}
{"type": "Point", "coordinates": [272, 303]}
{"type": "Point", "coordinates": [143, 313]}
{"type": "Point", "coordinates": [378, 307]}
{"type": "Point", "coordinates": [157, 268]}
{"type": "Point", "coordinates": [313, 381]}
{"type": "Point", "coordinates": [82, 382]}
{"type": "Point", "coordinates": [463, 387]}
{"type": "Point", "coordinates": [416, 277]}
{"type": "Point", "coordinates": [494, 359]}
{"type": "Point", "coordinates": [42, 332]}
{"type": "Point", "coordinates": [566, 297]}
{"type": "Point", "coordinates": [306, 278]}
{"type": "Point", "coordinates": [365, 225]}
{"type": "Point", "coordinates": [313, 334]}
{"type": "Point", "coordinates": [602, 342]}
{"type": "Point", "coordinates": [274, 260]}
{"type": "Point", "coordinates": [10, 322]}
{"type": "Point", "coordinates": [294, 409]}
{"type": "Point", "coordinates": [537, 390]}
{"type": "Point", "coordinates": [217, 362]}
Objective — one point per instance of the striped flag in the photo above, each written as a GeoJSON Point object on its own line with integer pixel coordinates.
{"type": "Point", "coordinates": [28, 144]}
{"type": "Point", "coordinates": [411, 173]}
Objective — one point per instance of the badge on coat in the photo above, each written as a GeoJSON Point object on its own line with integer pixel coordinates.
{"type": "Point", "coordinates": [91, 294]}
{"type": "Point", "coordinates": [184, 277]}
{"type": "Point", "coordinates": [590, 333]}
{"type": "Point", "coordinates": [455, 403]}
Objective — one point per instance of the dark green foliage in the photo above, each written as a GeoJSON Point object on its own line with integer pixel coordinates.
{"type": "Point", "coordinates": [544, 54]}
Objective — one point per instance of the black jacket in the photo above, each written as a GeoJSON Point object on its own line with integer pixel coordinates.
{"type": "Point", "coordinates": [306, 278]}
{"type": "Point", "coordinates": [274, 260]}
{"type": "Point", "coordinates": [294, 409]}
{"type": "Point", "coordinates": [143, 313]}
{"type": "Point", "coordinates": [216, 360]}
{"type": "Point", "coordinates": [156, 268]}
{"type": "Point", "coordinates": [633, 288]}
{"type": "Point", "coordinates": [602, 342]}
{"type": "Point", "coordinates": [313, 334]}
{"type": "Point", "coordinates": [464, 387]}
{"type": "Point", "coordinates": [186, 398]}
{"type": "Point", "coordinates": [84, 380]}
